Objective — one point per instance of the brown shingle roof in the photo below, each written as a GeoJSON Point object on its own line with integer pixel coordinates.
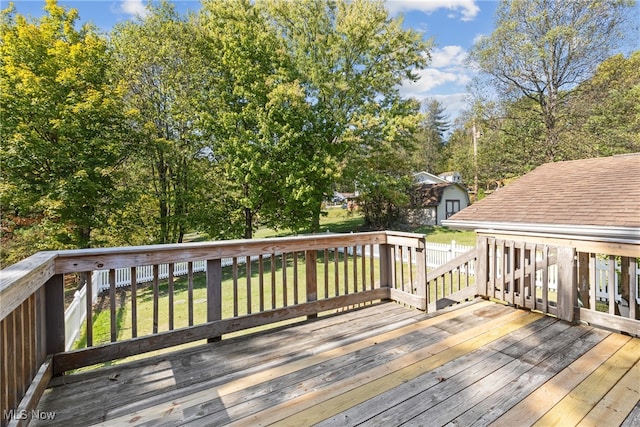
{"type": "Point", "coordinates": [595, 192]}
{"type": "Point", "coordinates": [425, 195]}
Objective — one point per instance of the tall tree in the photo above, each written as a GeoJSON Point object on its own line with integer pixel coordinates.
{"type": "Point", "coordinates": [542, 49]}
{"type": "Point", "coordinates": [430, 137]}
{"type": "Point", "coordinates": [63, 128]}
{"type": "Point", "coordinates": [157, 62]}
{"type": "Point", "coordinates": [255, 112]}
{"type": "Point", "coordinates": [350, 59]}
{"type": "Point", "coordinates": [604, 114]}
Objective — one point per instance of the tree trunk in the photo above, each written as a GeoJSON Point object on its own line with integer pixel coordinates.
{"type": "Point", "coordinates": [315, 220]}
{"type": "Point", "coordinates": [248, 216]}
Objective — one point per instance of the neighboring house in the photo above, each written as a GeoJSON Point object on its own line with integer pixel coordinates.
{"type": "Point", "coordinates": [454, 177]}
{"type": "Point", "coordinates": [427, 178]}
{"type": "Point", "coordinates": [432, 203]}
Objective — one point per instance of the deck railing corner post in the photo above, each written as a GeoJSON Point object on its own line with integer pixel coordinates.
{"type": "Point", "coordinates": [385, 266]}
{"type": "Point", "coordinates": [311, 257]}
{"type": "Point", "coordinates": [482, 266]}
{"type": "Point", "coordinates": [54, 314]}
{"type": "Point", "coordinates": [421, 277]}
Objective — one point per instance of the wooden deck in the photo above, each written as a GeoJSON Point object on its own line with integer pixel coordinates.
{"type": "Point", "coordinates": [480, 364]}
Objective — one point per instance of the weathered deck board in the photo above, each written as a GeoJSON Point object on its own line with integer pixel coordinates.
{"type": "Point", "coordinates": [385, 364]}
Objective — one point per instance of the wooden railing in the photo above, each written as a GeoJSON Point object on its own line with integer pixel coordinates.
{"type": "Point", "coordinates": [291, 278]}
{"type": "Point", "coordinates": [561, 278]}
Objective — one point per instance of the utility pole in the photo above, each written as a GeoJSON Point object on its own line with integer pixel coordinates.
{"type": "Point", "coordinates": [475, 160]}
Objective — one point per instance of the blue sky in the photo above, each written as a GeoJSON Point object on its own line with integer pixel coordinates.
{"type": "Point", "coordinates": [454, 24]}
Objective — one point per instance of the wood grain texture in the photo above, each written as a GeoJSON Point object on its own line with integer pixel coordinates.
{"type": "Point", "coordinates": [477, 364]}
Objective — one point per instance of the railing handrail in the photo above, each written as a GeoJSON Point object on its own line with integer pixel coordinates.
{"type": "Point", "coordinates": [20, 280]}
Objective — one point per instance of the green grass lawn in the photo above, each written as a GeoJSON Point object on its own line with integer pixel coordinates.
{"type": "Point", "coordinates": [340, 220]}
{"type": "Point", "coordinates": [336, 220]}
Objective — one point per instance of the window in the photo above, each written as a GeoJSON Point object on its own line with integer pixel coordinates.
{"type": "Point", "coordinates": [452, 207]}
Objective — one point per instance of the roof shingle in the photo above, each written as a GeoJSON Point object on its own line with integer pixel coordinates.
{"type": "Point", "coordinates": [601, 191]}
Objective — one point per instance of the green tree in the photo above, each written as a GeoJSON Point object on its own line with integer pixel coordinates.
{"type": "Point", "coordinates": [430, 136]}
{"type": "Point", "coordinates": [542, 50]}
{"type": "Point", "coordinates": [350, 59]}
{"type": "Point", "coordinates": [63, 128]}
{"type": "Point", "coordinates": [604, 113]}
{"type": "Point", "coordinates": [157, 61]}
{"type": "Point", "coordinates": [255, 113]}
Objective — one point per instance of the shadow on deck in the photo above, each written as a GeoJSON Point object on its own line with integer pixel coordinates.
{"type": "Point", "coordinates": [478, 364]}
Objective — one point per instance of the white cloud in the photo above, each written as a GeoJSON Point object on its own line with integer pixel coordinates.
{"type": "Point", "coordinates": [133, 8]}
{"type": "Point", "coordinates": [448, 56]}
{"type": "Point", "coordinates": [453, 103]}
{"type": "Point", "coordinates": [448, 75]}
{"type": "Point", "coordinates": [468, 9]}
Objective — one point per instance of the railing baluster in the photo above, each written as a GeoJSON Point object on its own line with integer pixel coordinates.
{"type": "Point", "coordinates": [295, 278]}
{"type": "Point", "coordinates": [4, 367]}
{"type": "Point", "coordinates": [284, 279]}
{"type": "Point", "coordinates": [273, 281]}
{"type": "Point", "coordinates": [134, 302]}
{"type": "Point", "coordinates": [32, 354]}
{"type": "Point", "coordinates": [633, 289]}
{"type": "Point", "coordinates": [336, 271]}
{"type": "Point", "coordinates": [18, 353]}
{"type": "Point", "coordinates": [371, 268]}
{"type": "Point", "coordinates": [326, 272]}
{"type": "Point", "coordinates": [235, 286]}
{"type": "Point", "coordinates": [261, 280]}
{"type": "Point", "coordinates": [345, 266]}
{"type": "Point", "coordinates": [112, 304]}
{"type": "Point", "coordinates": [401, 255]}
{"type": "Point", "coordinates": [363, 259]}
{"type": "Point", "coordinates": [89, 306]}
{"type": "Point", "coordinates": [170, 289]}
{"type": "Point", "coordinates": [355, 268]}
{"type": "Point", "coordinates": [190, 292]}
{"type": "Point", "coordinates": [248, 273]}
{"type": "Point", "coordinates": [394, 278]}
{"type": "Point", "coordinates": [593, 288]}
{"type": "Point", "coordinates": [611, 283]}
{"type": "Point", "coordinates": [9, 383]}
{"type": "Point", "coordinates": [410, 262]}
{"type": "Point", "coordinates": [156, 296]}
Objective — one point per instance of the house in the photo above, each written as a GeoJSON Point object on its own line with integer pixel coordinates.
{"type": "Point", "coordinates": [563, 221]}
{"type": "Point", "coordinates": [436, 197]}
{"type": "Point", "coordinates": [433, 202]}
{"type": "Point", "coordinates": [427, 178]}
{"type": "Point", "coordinates": [454, 177]}
{"type": "Point", "coordinates": [589, 199]}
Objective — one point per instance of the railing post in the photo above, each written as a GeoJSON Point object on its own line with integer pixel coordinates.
{"type": "Point", "coordinates": [214, 293]}
{"type": "Point", "coordinates": [54, 309]}
{"type": "Point", "coordinates": [385, 266]}
{"type": "Point", "coordinates": [311, 257]}
{"type": "Point", "coordinates": [482, 266]}
{"type": "Point", "coordinates": [420, 287]}
{"type": "Point", "coordinates": [567, 289]}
